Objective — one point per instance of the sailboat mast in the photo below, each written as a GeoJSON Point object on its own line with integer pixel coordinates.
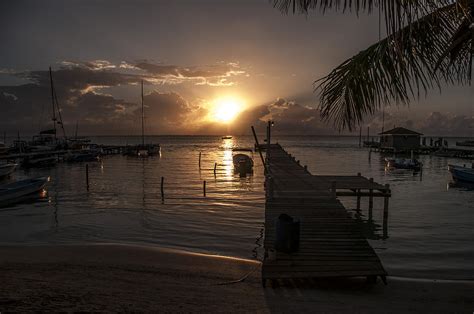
{"type": "Point", "coordinates": [143, 120]}
{"type": "Point", "coordinates": [52, 101]}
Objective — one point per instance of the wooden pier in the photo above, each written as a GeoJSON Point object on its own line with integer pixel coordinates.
{"type": "Point", "coordinates": [331, 242]}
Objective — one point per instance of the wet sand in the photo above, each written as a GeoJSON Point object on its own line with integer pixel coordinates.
{"type": "Point", "coordinates": [134, 278]}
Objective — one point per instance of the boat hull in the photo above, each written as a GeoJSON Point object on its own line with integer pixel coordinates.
{"type": "Point", "coordinates": [16, 192]}
{"type": "Point", "coordinates": [6, 170]}
{"type": "Point", "coordinates": [243, 164]}
{"type": "Point", "coordinates": [462, 174]}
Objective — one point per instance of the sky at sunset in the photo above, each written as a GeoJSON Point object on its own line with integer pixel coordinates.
{"type": "Point", "coordinates": [209, 67]}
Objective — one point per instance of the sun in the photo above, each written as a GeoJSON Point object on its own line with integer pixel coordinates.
{"type": "Point", "coordinates": [226, 109]}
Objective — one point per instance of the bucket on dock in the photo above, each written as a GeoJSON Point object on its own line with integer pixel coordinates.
{"type": "Point", "coordinates": [287, 234]}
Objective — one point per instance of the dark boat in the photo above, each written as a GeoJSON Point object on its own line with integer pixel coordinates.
{"type": "Point", "coordinates": [17, 191]}
{"type": "Point", "coordinates": [6, 170]}
{"type": "Point", "coordinates": [243, 164]}
{"type": "Point", "coordinates": [403, 163]}
{"type": "Point", "coordinates": [463, 174]}
{"type": "Point", "coordinates": [39, 162]}
{"type": "Point", "coordinates": [82, 156]}
{"type": "Point", "coordinates": [228, 137]}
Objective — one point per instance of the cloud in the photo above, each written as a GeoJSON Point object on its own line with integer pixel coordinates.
{"type": "Point", "coordinates": [212, 75]}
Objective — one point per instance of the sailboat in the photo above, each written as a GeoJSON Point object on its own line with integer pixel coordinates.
{"type": "Point", "coordinates": [47, 139]}
{"type": "Point", "coordinates": [143, 150]}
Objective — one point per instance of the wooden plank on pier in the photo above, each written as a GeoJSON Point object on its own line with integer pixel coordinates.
{"type": "Point", "coordinates": [331, 242]}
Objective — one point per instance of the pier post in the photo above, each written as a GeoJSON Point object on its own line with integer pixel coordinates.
{"type": "Point", "coordinates": [298, 161]}
{"type": "Point", "coordinates": [270, 187]}
{"type": "Point", "coordinates": [204, 188]}
{"type": "Point", "coordinates": [162, 189]}
{"type": "Point", "coordinates": [215, 167]}
{"type": "Point", "coordinates": [385, 200]}
{"type": "Point", "coordinates": [371, 197]}
{"type": "Point", "coordinates": [358, 199]}
{"type": "Point", "coordinates": [385, 213]}
{"type": "Point", "coordinates": [306, 168]}
{"type": "Point", "coordinates": [333, 189]}
{"type": "Point", "coordinates": [87, 176]}
{"type": "Point", "coordinates": [370, 154]}
{"type": "Point", "coordinates": [199, 160]}
{"type": "Point", "coordinates": [360, 137]}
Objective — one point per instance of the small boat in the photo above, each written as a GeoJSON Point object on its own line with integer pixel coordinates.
{"type": "Point", "coordinates": [82, 156]}
{"type": "Point", "coordinates": [243, 164]}
{"type": "Point", "coordinates": [228, 137]}
{"type": "Point", "coordinates": [17, 191]}
{"type": "Point", "coordinates": [6, 170]}
{"type": "Point", "coordinates": [143, 150]}
{"type": "Point", "coordinates": [463, 174]}
{"type": "Point", "coordinates": [403, 163]}
{"type": "Point", "coordinates": [3, 148]}
{"type": "Point", "coordinates": [465, 143]}
{"type": "Point", "coordinates": [34, 162]}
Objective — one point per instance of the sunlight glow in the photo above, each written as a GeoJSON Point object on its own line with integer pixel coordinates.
{"type": "Point", "coordinates": [226, 109]}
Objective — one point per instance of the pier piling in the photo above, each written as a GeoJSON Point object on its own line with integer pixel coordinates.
{"type": "Point", "coordinates": [199, 160]}
{"type": "Point", "coordinates": [215, 168]}
{"type": "Point", "coordinates": [87, 177]}
{"type": "Point", "coordinates": [162, 189]}
{"type": "Point", "coordinates": [371, 195]}
{"type": "Point", "coordinates": [204, 188]}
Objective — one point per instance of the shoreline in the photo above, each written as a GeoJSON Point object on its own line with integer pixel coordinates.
{"type": "Point", "coordinates": [122, 277]}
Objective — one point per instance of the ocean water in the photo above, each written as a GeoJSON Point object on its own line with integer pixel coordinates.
{"type": "Point", "coordinates": [429, 232]}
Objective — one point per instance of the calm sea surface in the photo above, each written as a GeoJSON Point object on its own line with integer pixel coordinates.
{"type": "Point", "coordinates": [429, 232]}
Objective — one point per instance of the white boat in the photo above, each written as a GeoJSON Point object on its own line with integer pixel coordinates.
{"type": "Point", "coordinates": [17, 191]}
{"type": "Point", "coordinates": [463, 174]}
{"type": "Point", "coordinates": [243, 164]}
{"type": "Point", "coordinates": [6, 170]}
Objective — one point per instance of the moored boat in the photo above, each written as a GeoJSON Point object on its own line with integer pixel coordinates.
{"type": "Point", "coordinates": [143, 149]}
{"type": "Point", "coordinates": [243, 164]}
{"type": "Point", "coordinates": [403, 163]}
{"type": "Point", "coordinates": [465, 143]}
{"type": "Point", "coordinates": [7, 169]}
{"type": "Point", "coordinates": [16, 191]}
{"type": "Point", "coordinates": [82, 156]}
{"type": "Point", "coordinates": [463, 174]}
{"type": "Point", "coordinates": [228, 137]}
{"type": "Point", "coordinates": [35, 162]}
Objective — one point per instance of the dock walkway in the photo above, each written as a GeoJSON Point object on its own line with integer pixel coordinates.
{"type": "Point", "coordinates": [331, 243]}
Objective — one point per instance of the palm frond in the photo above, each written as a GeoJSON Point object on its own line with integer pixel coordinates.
{"type": "Point", "coordinates": [396, 69]}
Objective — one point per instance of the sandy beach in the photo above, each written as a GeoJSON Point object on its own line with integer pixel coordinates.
{"type": "Point", "coordinates": [134, 278]}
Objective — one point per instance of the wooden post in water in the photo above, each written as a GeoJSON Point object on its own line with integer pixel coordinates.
{"type": "Point", "coordinates": [385, 213]}
{"type": "Point", "coordinates": [333, 189]}
{"type": "Point", "coordinates": [204, 188]}
{"type": "Point", "coordinates": [385, 199]}
{"type": "Point", "coordinates": [87, 176]}
{"type": "Point", "coordinates": [162, 189]}
{"type": "Point", "coordinates": [270, 188]}
{"type": "Point", "coordinates": [215, 168]}
{"type": "Point", "coordinates": [306, 168]}
{"type": "Point", "coordinates": [371, 197]}
{"type": "Point", "coordinates": [368, 133]}
{"type": "Point", "coordinates": [370, 154]}
{"type": "Point", "coordinates": [199, 160]}
{"type": "Point", "coordinates": [360, 137]}
{"type": "Point", "coordinates": [259, 149]}
{"type": "Point", "coordinates": [358, 194]}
